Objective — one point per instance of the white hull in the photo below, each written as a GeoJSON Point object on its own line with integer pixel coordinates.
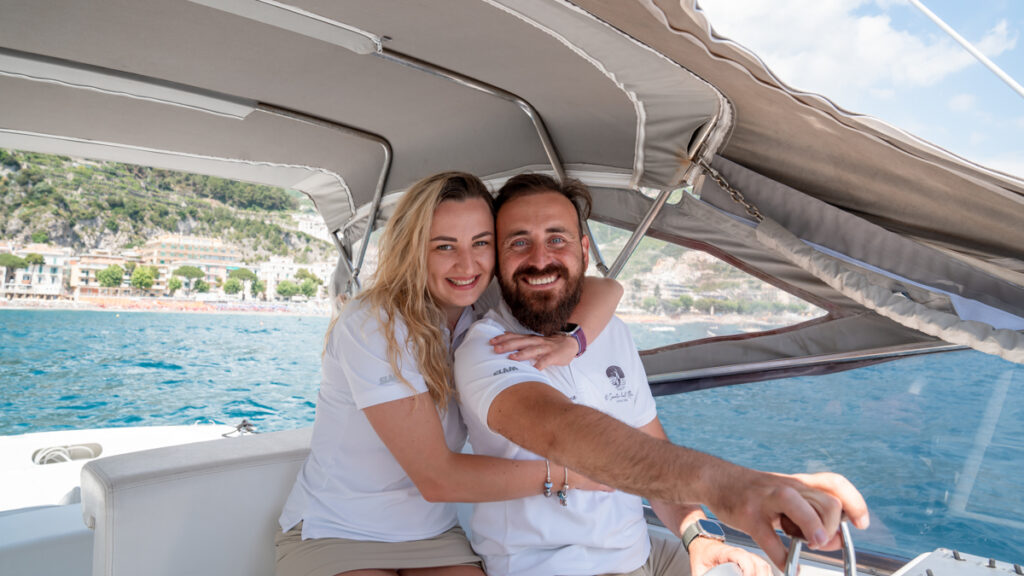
{"type": "Point", "coordinates": [212, 508]}
{"type": "Point", "coordinates": [27, 484]}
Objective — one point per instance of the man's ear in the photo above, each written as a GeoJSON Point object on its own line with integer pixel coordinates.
{"type": "Point", "coordinates": [585, 241]}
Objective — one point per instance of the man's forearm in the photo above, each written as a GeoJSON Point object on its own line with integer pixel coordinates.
{"type": "Point", "coordinates": [541, 420]}
{"type": "Point", "coordinates": [675, 517]}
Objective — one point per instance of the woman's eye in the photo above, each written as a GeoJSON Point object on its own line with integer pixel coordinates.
{"type": "Point", "coordinates": [443, 247]}
{"type": "Point", "coordinates": [482, 243]}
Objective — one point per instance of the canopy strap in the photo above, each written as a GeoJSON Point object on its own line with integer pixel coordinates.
{"type": "Point", "coordinates": [896, 306]}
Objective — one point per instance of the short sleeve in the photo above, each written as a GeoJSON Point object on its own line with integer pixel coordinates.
{"type": "Point", "coordinates": [481, 374]}
{"type": "Point", "coordinates": [617, 374]}
{"type": "Point", "coordinates": [645, 409]}
{"type": "Point", "coordinates": [358, 353]}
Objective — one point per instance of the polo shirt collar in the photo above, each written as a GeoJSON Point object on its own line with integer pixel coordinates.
{"type": "Point", "coordinates": [510, 319]}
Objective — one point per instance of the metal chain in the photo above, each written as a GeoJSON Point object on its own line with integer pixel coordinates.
{"type": "Point", "coordinates": [736, 195]}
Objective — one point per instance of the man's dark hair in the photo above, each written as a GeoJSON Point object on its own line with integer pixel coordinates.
{"type": "Point", "coordinates": [529, 184]}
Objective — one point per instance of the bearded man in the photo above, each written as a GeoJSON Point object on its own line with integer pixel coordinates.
{"type": "Point", "coordinates": [597, 417]}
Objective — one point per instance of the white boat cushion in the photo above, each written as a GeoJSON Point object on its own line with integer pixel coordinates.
{"type": "Point", "coordinates": [203, 508]}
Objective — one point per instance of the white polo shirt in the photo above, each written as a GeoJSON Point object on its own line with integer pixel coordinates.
{"type": "Point", "coordinates": [350, 485]}
{"type": "Point", "coordinates": [598, 532]}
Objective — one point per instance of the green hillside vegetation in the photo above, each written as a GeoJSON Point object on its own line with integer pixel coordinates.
{"type": "Point", "coordinates": [86, 205]}
{"type": "Point", "coordinates": [719, 288]}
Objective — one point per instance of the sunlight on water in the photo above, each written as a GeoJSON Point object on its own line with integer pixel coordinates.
{"type": "Point", "coordinates": [936, 443]}
{"type": "Point", "coordinates": [76, 369]}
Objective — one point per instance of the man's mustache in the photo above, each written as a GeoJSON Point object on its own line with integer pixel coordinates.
{"type": "Point", "coordinates": [558, 269]}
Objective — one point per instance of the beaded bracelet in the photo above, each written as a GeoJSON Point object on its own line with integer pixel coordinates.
{"type": "Point", "coordinates": [563, 494]}
{"type": "Point", "coordinates": [547, 480]}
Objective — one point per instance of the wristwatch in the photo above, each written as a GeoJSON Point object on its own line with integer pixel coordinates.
{"type": "Point", "coordinates": [576, 332]}
{"type": "Point", "coordinates": [702, 528]}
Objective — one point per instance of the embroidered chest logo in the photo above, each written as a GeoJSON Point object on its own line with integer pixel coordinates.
{"type": "Point", "coordinates": [505, 370]}
{"type": "Point", "coordinates": [617, 378]}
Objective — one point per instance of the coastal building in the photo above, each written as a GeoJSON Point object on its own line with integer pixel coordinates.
{"type": "Point", "coordinates": [44, 280]}
{"type": "Point", "coordinates": [216, 273]}
{"type": "Point", "coordinates": [275, 270]}
{"type": "Point", "coordinates": [169, 252]}
{"type": "Point", "coordinates": [166, 249]}
{"type": "Point", "coordinates": [85, 269]}
{"type": "Point", "coordinates": [279, 268]}
{"type": "Point", "coordinates": [312, 224]}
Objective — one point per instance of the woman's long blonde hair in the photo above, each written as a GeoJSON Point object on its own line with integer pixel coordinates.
{"type": "Point", "coordinates": [399, 286]}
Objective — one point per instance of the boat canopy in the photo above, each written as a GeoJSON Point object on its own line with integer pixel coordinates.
{"type": "Point", "coordinates": [906, 246]}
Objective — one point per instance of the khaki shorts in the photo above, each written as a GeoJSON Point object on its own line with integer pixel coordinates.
{"type": "Point", "coordinates": [668, 558]}
{"type": "Point", "coordinates": [330, 556]}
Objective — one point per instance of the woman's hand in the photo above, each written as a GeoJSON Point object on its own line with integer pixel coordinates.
{"type": "Point", "coordinates": [544, 351]}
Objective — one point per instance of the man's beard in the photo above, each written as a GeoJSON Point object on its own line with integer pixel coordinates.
{"type": "Point", "coordinates": [542, 312]}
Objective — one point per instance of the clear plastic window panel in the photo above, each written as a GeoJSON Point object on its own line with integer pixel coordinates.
{"type": "Point", "coordinates": [935, 443]}
{"type": "Point", "coordinates": [674, 294]}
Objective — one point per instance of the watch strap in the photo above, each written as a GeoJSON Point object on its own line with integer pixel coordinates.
{"type": "Point", "coordinates": [696, 529]}
{"type": "Point", "coordinates": [581, 339]}
{"type": "Point", "coordinates": [576, 331]}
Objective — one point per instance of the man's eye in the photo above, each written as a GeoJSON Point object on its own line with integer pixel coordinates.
{"type": "Point", "coordinates": [518, 243]}
{"type": "Point", "coordinates": [557, 240]}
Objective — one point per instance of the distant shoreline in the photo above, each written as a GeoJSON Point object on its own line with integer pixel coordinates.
{"type": "Point", "coordinates": [734, 319]}
{"type": "Point", "coordinates": [137, 304]}
{"type": "Point", "coordinates": [111, 304]}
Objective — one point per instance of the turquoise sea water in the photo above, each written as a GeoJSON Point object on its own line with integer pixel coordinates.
{"type": "Point", "coordinates": [935, 443]}
{"type": "Point", "coordinates": [85, 369]}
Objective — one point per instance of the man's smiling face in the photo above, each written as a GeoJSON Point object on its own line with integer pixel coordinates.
{"type": "Point", "coordinates": [541, 259]}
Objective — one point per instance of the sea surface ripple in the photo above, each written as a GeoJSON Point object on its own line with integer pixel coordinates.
{"type": "Point", "coordinates": [935, 443]}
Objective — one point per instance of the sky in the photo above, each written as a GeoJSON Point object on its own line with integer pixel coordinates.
{"type": "Point", "coordinates": [886, 59]}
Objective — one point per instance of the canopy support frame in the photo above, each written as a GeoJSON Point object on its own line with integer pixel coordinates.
{"type": "Point", "coordinates": [695, 154]}
{"type": "Point", "coordinates": [531, 112]}
{"type": "Point", "coordinates": [638, 234]}
{"type": "Point", "coordinates": [354, 267]}
{"type": "Point", "coordinates": [345, 260]}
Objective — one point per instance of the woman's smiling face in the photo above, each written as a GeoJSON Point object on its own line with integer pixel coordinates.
{"type": "Point", "coordinates": [460, 254]}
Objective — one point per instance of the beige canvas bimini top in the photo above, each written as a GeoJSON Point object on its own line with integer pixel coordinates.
{"type": "Point", "coordinates": [352, 102]}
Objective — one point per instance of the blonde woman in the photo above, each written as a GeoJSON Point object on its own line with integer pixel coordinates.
{"type": "Point", "coordinates": [374, 496]}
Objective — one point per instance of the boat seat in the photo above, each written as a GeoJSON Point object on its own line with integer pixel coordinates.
{"type": "Point", "coordinates": [203, 508]}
